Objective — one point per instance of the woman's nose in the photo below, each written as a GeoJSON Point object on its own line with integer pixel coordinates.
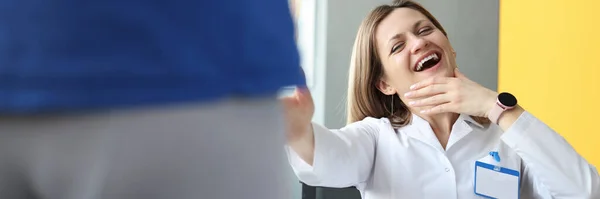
{"type": "Point", "coordinates": [419, 44]}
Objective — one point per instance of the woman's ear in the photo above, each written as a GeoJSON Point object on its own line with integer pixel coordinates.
{"type": "Point", "coordinates": [385, 88]}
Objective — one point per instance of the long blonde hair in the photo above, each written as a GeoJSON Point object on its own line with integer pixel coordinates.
{"type": "Point", "coordinates": [366, 69]}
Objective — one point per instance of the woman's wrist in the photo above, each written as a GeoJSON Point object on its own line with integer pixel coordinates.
{"type": "Point", "coordinates": [509, 117]}
{"type": "Point", "coordinates": [489, 103]}
{"type": "Point", "coordinates": [506, 117]}
{"type": "Point", "coordinates": [304, 145]}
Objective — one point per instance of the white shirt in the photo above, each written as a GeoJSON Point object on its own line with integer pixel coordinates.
{"type": "Point", "coordinates": [410, 162]}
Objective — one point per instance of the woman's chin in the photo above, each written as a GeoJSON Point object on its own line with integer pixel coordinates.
{"type": "Point", "coordinates": [446, 70]}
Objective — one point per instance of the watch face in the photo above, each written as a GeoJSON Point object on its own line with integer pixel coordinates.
{"type": "Point", "coordinates": [507, 99]}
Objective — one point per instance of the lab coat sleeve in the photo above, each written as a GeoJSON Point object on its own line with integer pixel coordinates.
{"type": "Point", "coordinates": [552, 167]}
{"type": "Point", "coordinates": [342, 157]}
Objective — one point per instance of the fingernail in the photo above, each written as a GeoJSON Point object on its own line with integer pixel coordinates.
{"type": "Point", "coordinates": [407, 94]}
{"type": "Point", "coordinates": [413, 86]}
{"type": "Point", "coordinates": [412, 103]}
{"type": "Point", "coordinates": [424, 111]}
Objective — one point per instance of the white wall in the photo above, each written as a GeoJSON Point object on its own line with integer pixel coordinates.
{"type": "Point", "coordinates": [337, 23]}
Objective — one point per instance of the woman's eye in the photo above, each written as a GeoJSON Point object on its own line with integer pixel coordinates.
{"type": "Point", "coordinates": [425, 30]}
{"type": "Point", "coordinates": [397, 47]}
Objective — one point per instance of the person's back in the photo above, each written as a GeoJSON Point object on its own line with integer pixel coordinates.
{"type": "Point", "coordinates": [59, 55]}
{"type": "Point", "coordinates": [144, 98]}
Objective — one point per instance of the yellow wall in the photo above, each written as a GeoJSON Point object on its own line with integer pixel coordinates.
{"type": "Point", "coordinates": [550, 58]}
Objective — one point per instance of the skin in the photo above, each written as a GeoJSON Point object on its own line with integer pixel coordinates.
{"type": "Point", "coordinates": [437, 96]}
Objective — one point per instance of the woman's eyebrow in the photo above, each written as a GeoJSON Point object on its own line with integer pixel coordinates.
{"type": "Point", "coordinates": [415, 26]}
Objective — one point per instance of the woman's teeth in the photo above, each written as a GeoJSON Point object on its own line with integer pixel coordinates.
{"type": "Point", "coordinates": [433, 57]}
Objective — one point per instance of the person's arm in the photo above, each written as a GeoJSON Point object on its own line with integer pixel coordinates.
{"type": "Point", "coordinates": [552, 166]}
{"type": "Point", "coordinates": [340, 158]}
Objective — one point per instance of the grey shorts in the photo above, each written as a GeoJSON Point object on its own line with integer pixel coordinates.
{"type": "Point", "coordinates": [223, 150]}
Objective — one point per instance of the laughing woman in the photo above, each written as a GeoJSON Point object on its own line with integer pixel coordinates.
{"type": "Point", "coordinates": [418, 128]}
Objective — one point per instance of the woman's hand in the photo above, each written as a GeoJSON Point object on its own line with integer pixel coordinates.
{"type": "Point", "coordinates": [451, 94]}
{"type": "Point", "coordinates": [299, 109]}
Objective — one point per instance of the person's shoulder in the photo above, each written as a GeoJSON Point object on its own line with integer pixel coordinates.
{"type": "Point", "coordinates": [372, 124]}
{"type": "Point", "coordinates": [382, 120]}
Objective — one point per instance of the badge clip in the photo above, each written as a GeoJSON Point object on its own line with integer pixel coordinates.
{"type": "Point", "coordinates": [495, 155]}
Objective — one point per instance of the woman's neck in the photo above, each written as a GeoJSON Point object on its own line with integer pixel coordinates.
{"type": "Point", "coordinates": [441, 124]}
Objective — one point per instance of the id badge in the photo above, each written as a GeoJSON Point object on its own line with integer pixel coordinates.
{"type": "Point", "coordinates": [493, 181]}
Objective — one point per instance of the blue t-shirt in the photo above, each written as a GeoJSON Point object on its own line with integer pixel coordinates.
{"type": "Point", "coordinates": [63, 55]}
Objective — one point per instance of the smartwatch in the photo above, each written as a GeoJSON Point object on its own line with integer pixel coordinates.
{"type": "Point", "coordinates": [505, 101]}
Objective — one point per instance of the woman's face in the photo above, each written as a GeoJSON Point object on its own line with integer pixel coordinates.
{"type": "Point", "coordinates": [411, 49]}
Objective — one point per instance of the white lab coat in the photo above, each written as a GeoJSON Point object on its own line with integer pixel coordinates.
{"type": "Point", "coordinates": [410, 163]}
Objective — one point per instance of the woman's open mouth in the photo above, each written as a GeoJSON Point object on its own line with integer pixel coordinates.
{"type": "Point", "coordinates": [429, 61]}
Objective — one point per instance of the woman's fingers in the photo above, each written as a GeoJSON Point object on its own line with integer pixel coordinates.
{"type": "Point", "coordinates": [288, 102]}
{"type": "Point", "coordinates": [303, 93]}
{"type": "Point", "coordinates": [429, 90]}
{"type": "Point", "coordinates": [451, 94]}
{"type": "Point", "coordinates": [430, 101]}
{"type": "Point", "coordinates": [430, 81]}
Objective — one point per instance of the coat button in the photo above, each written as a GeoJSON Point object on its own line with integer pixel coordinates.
{"type": "Point", "coordinates": [447, 169]}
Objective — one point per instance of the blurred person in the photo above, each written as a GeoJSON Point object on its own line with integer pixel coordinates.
{"type": "Point", "coordinates": [419, 128]}
{"type": "Point", "coordinates": [143, 99]}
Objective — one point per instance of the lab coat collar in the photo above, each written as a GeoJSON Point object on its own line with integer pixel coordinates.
{"type": "Point", "coordinates": [460, 129]}
{"type": "Point", "coordinates": [470, 119]}
{"type": "Point", "coordinates": [420, 129]}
